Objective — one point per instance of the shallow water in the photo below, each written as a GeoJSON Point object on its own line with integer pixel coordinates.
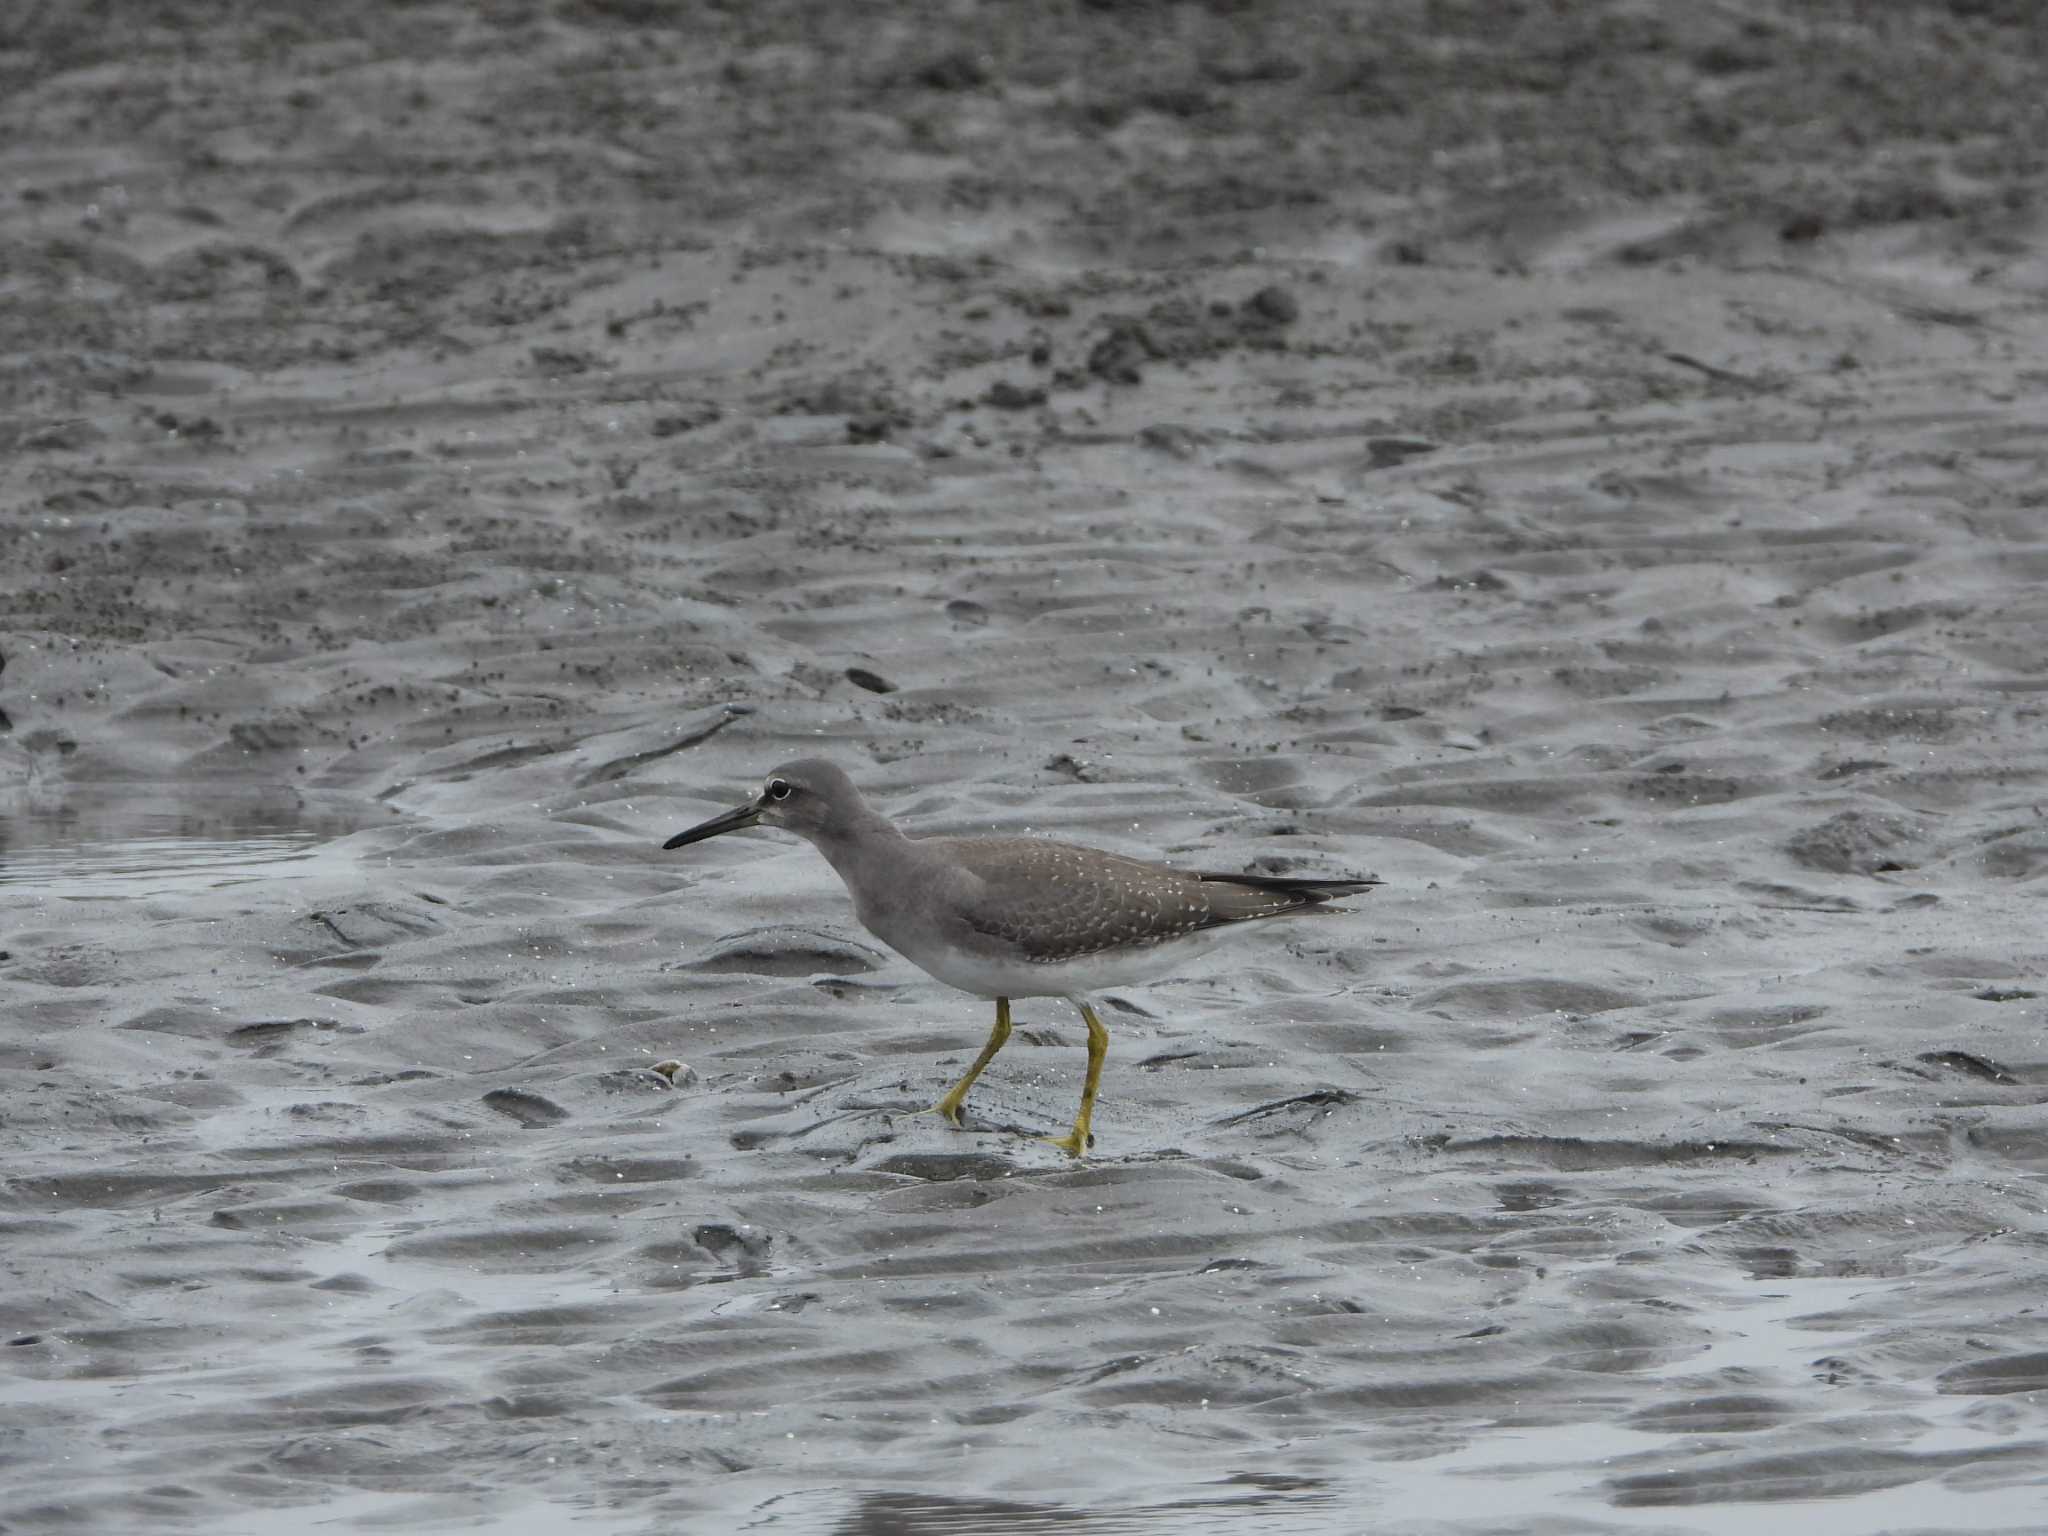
{"type": "Point", "coordinates": [173, 862]}
{"type": "Point", "coordinates": [172, 840]}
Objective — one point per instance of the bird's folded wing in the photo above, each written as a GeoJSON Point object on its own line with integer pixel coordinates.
{"type": "Point", "coordinates": [1054, 901]}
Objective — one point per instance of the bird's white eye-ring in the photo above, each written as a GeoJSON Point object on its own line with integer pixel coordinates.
{"type": "Point", "coordinates": [778, 789]}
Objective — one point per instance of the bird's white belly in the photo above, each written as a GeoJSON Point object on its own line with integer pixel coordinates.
{"type": "Point", "coordinates": [986, 976]}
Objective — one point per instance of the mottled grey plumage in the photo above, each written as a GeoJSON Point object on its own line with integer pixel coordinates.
{"type": "Point", "coordinates": [1005, 917]}
{"type": "Point", "coordinates": [1053, 901]}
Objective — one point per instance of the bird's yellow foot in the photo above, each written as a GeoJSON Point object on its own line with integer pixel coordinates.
{"type": "Point", "coordinates": [956, 1095]}
{"type": "Point", "coordinates": [1077, 1141]}
{"type": "Point", "coordinates": [1074, 1143]}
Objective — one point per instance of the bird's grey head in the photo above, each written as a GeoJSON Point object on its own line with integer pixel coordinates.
{"type": "Point", "coordinates": [809, 797]}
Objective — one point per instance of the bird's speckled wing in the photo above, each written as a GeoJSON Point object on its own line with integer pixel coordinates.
{"type": "Point", "coordinates": [1052, 902]}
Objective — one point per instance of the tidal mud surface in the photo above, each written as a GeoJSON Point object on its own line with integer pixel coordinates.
{"type": "Point", "coordinates": [1581, 463]}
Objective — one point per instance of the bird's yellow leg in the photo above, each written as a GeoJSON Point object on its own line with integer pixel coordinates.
{"type": "Point", "coordinates": [956, 1095]}
{"type": "Point", "coordinates": [1075, 1142]}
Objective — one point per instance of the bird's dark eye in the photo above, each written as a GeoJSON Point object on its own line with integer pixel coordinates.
{"type": "Point", "coordinates": [778, 789]}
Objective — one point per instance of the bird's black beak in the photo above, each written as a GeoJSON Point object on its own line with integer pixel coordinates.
{"type": "Point", "coordinates": [726, 821]}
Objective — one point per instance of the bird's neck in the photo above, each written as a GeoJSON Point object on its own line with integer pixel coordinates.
{"type": "Point", "coordinates": [865, 837]}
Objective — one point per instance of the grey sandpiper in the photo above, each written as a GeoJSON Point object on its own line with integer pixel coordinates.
{"type": "Point", "coordinates": [1007, 917]}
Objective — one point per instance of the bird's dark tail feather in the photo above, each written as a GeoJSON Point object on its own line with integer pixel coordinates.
{"type": "Point", "coordinates": [1305, 889]}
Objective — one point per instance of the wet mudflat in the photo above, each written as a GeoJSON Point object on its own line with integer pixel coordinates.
{"type": "Point", "coordinates": [1580, 464]}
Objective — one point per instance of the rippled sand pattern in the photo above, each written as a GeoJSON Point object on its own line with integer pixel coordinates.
{"type": "Point", "coordinates": [1548, 462]}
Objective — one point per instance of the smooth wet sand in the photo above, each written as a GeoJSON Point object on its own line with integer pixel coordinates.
{"type": "Point", "coordinates": [1585, 469]}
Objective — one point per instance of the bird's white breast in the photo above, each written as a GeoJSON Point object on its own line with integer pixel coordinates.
{"type": "Point", "coordinates": [989, 976]}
